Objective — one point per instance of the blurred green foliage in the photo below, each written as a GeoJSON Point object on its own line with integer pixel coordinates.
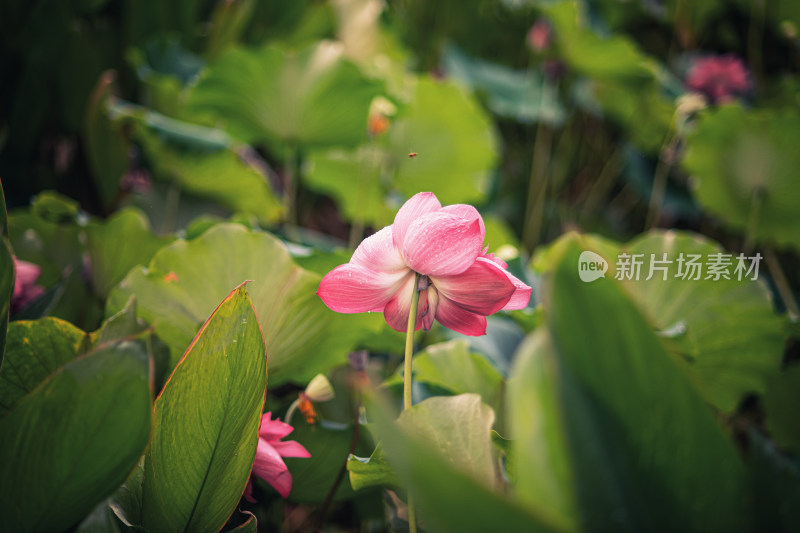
{"type": "Point", "coordinates": [156, 155]}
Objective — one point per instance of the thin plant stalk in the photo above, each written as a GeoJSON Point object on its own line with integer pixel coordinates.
{"type": "Point", "coordinates": [659, 185]}
{"type": "Point", "coordinates": [171, 208]}
{"type": "Point", "coordinates": [534, 212]}
{"type": "Point", "coordinates": [291, 176]}
{"type": "Point", "coordinates": [782, 284]}
{"type": "Point", "coordinates": [357, 226]}
{"type": "Point", "coordinates": [753, 219]}
{"type": "Point", "coordinates": [604, 182]}
{"type": "Point", "coordinates": [412, 321]}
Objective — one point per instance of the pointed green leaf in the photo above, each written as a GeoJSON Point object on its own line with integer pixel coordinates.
{"type": "Point", "coordinates": [96, 410]}
{"type": "Point", "coordinates": [206, 424]}
{"type": "Point", "coordinates": [542, 468]}
{"type": "Point", "coordinates": [36, 349]}
{"type": "Point", "coordinates": [311, 97]}
{"type": "Point", "coordinates": [646, 451]}
{"type": "Point", "coordinates": [185, 280]}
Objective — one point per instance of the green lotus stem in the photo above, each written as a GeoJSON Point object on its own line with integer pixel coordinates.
{"type": "Point", "coordinates": [753, 219]}
{"type": "Point", "coordinates": [171, 208]}
{"type": "Point", "coordinates": [537, 187]}
{"type": "Point", "coordinates": [659, 184]}
{"type": "Point", "coordinates": [412, 321]}
{"type": "Point", "coordinates": [291, 176]}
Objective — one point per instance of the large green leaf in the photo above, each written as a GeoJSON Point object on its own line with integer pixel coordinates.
{"type": "Point", "coordinates": [452, 367]}
{"type": "Point", "coordinates": [48, 235]}
{"type": "Point", "coordinates": [36, 349]}
{"type": "Point", "coordinates": [354, 178]}
{"type": "Point", "coordinates": [185, 280]}
{"type": "Point", "coordinates": [117, 245]}
{"type": "Point", "coordinates": [589, 54]}
{"type": "Point", "coordinates": [204, 161]}
{"type": "Point", "coordinates": [441, 450]}
{"type": "Point", "coordinates": [206, 424]}
{"type": "Point", "coordinates": [743, 165]}
{"type": "Point", "coordinates": [454, 139]}
{"type": "Point", "coordinates": [457, 427]}
{"type": "Point", "coordinates": [645, 450]}
{"type": "Point", "coordinates": [311, 97]}
{"type": "Point", "coordinates": [233, 177]}
{"type": "Point", "coordinates": [527, 96]}
{"type": "Point", "coordinates": [541, 470]}
{"type": "Point", "coordinates": [96, 408]}
{"type": "Point", "coordinates": [622, 79]}
{"type": "Point", "coordinates": [723, 332]}
{"type": "Point", "coordinates": [456, 149]}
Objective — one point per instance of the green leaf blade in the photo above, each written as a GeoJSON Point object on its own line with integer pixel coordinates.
{"type": "Point", "coordinates": [36, 349]}
{"type": "Point", "coordinates": [647, 452]}
{"type": "Point", "coordinates": [313, 97]}
{"type": "Point", "coordinates": [206, 424]}
{"type": "Point", "coordinates": [95, 442]}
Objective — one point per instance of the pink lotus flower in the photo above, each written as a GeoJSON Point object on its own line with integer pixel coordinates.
{"type": "Point", "coordinates": [720, 78]}
{"type": "Point", "coordinates": [540, 35]}
{"type": "Point", "coordinates": [25, 288]}
{"type": "Point", "coordinates": [460, 284]}
{"type": "Point", "coordinates": [268, 464]}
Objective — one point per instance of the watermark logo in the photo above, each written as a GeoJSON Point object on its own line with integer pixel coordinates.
{"type": "Point", "coordinates": [591, 266]}
{"type": "Point", "coordinates": [686, 266]}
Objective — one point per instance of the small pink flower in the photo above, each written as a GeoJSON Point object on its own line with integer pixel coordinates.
{"type": "Point", "coordinates": [720, 78]}
{"type": "Point", "coordinates": [460, 284]}
{"type": "Point", "coordinates": [25, 288]}
{"type": "Point", "coordinates": [268, 464]}
{"type": "Point", "coordinates": [540, 35]}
